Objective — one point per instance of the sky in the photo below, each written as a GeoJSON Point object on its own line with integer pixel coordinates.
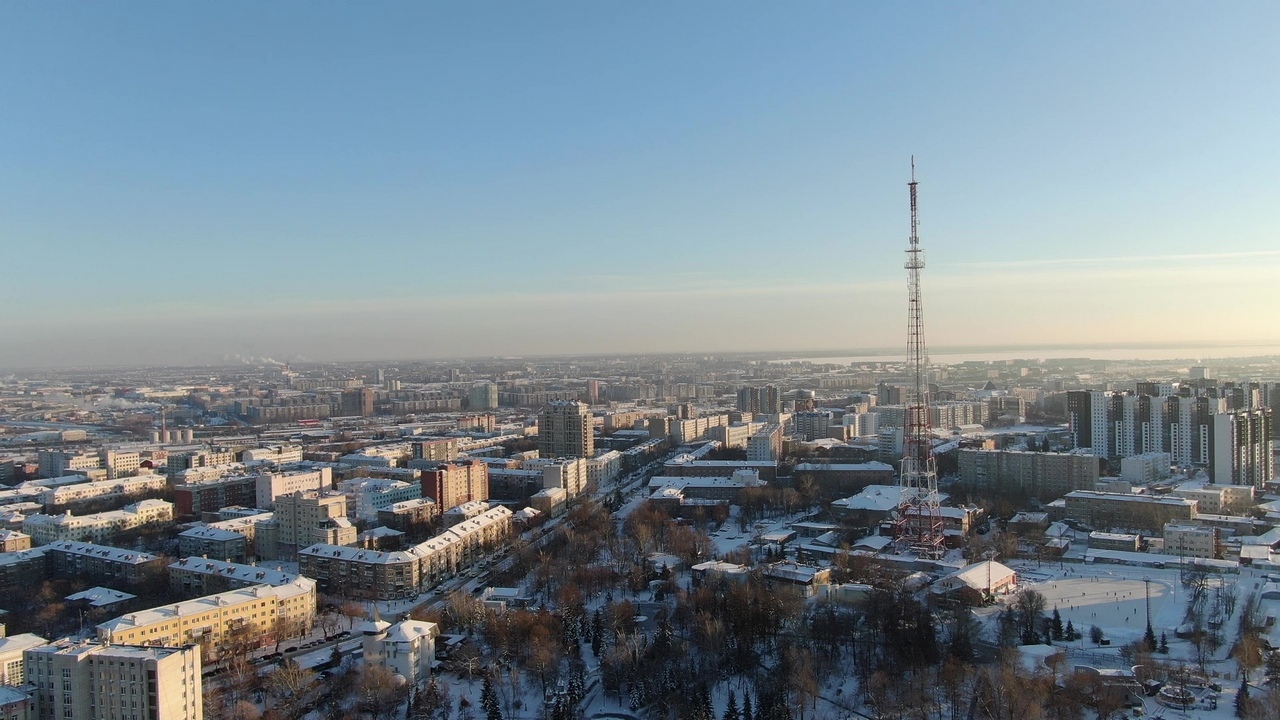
{"type": "Point", "coordinates": [181, 182]}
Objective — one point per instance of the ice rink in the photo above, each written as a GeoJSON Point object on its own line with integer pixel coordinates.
{"type": "Point", "coordinates": [1115, 603]}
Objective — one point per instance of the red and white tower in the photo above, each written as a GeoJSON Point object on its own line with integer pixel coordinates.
{"type": "Point", "coordinates": [919, 517]}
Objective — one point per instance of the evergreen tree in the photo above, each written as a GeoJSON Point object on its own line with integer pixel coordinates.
{"type": "Point", "coordinates": [489, 701]}
{"type": "Point", "coordinates": [1242, 698]}
{"type": "Point", "coordinates": [746, 707]}
{"type": "Point", "coordinates": [1149, 639]}
{"type": "Point", "coordinates": [1055, 627]}
{"type": "Point", "coordinates": [1163, 649]}
{"type": "Point", "coordinates": [731, 709]}
{"type": "Point", "coordinates": [1070, 631]}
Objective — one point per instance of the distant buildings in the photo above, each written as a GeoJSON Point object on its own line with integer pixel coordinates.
{"type": "Point", "coordinates": [565, 430]}
{"type": "Point", "coordinates": [482, 396]}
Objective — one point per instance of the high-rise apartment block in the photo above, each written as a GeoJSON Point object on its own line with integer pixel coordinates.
{"type": "Point", "coordinates": [565, 430]}
{"type": "Point", "coordinates": [1233, 443]}
{"type": "Point", "coordinates": [482, 396]}
{"type": "Point", "coordinates": [765, 400]}
{"type": "Point", "coordinates": [115, 682]}
{"type": "Point", "coordinates": [356, 402]}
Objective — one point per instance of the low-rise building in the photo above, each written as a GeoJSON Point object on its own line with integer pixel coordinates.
{"type": "Point", "coordinates": [841, 479]}
{"type": "Point", "coordinates": [213, 542]}
{"type": "Point", "coordinates": [1125, 542]}
{"type": "Point", "coordinates": [13, 541]}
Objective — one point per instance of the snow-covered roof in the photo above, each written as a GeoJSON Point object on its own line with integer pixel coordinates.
{"type": "Point", "coordinates": [100, 596]}
{"type": "Point", "coordinates": [980, 576]}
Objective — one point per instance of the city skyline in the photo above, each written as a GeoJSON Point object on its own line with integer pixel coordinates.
{"type": "Point", "coordinates": [186, 184]}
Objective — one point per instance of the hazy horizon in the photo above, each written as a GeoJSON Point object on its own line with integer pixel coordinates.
{"type": "Point", "coordinates": [187, 183]}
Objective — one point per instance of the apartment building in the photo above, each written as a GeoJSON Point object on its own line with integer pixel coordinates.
{"type": "Point", "coordinates": [99, 528]}
{"type": "Point", "coordinates": [407, 648]}
{"type": "Point", "coordinates": [366, 496]}
{"type": "Point", "coordinates": [570, 474]}
{"type": "Point", "coordinates": [306, 518]}
{"type": "Point", "coordinates": [251, 612]}
{"type": "Point", "coordinates": [79, 493]}
{"type": "Point", "coordinates": [194, 576]}
{"type": "Point", "coordinates": [1189, 540]}
{"type": "Point", "coordinates": [100, 563]}
{"type": "Point", "coordinates": [56, 463]}
{"type": "Point", "coordinates": [376, 575]}
{"type": "Point", "coordinates": [1124, 510]}
{"type": "Point", "coordinates": [404, 515]}
{"type": "Point", "coordinates": [429, 452]}
{"type": "Point", "coordinates": [565, 428]}
{"type": "Point", "coordinates": [765, 445]}
{"type": "Point", "coordinates": [1039, 474]}
{"type": "Point", "coordinates": [13, 667]}
{"type": "Point", "coordinates": [269, 486]}
{"type": "Point", "coordinates": [604, 468]}
{"type": "Point", "coordinates": [213, 542]}
{"type": "Point", "coordinates": [115, 682]}
{"type": "Point", "coordinates": [454, 483]}
{"type": "Point", "coordinates": [843, 479]}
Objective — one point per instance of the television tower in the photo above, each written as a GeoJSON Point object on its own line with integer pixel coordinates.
{"type": "Point", "coordinates": [920, 521]}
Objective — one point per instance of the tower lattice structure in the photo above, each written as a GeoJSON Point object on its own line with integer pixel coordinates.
{"type": "Point", "coordinates": [919, 516]}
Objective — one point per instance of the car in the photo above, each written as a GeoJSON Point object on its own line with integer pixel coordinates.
{"type": "Point", "coordinates": [291, 649]}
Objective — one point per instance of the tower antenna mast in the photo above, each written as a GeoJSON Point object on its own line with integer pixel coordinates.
{"type": "Point", "coordinates": [920, 520]}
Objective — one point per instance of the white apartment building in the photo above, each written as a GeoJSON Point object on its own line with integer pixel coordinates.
{"type": "Point", "coordinates": [1195, 541]}
{"type": "Point", "coordinates": [766, 444]}
{"type": "Point", "coordinates": [115, 682]}
{"type": "Point", "coordinates": [108, 489]}
{"type": "Point", "coordinates": [13, 668]}
{"type": "Point", "coordinates": [272, 485]}
{"type": "Point", "coordinates": [119, 464]}
{"type": "Point", "coordinates": [565, 472]}
{"type": "Point", "coordinates": [366, 496]}
{"type": "Point", "coordinates": [56, 463]}
{"type": "Point", "coordinates": [603, 468]}
{"type": "Point", "coordinates": [100, 528]}
{"type": "Point", "coordinates": [1145, 468]}
{"type": "Point", "coordinates": [278, 454]}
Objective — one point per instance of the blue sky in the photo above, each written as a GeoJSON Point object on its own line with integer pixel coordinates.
{"type": "Point", "coordinates": [340, 180]}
